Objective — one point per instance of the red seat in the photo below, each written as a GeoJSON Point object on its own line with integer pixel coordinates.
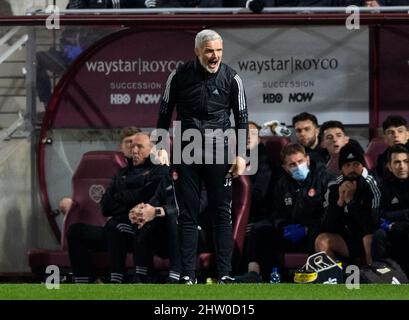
{"type": "Point", "coordinates": [294, 260]}
{"type": "Point", "coordinates": [92, 176]}
{"type": "Point", "coordinates": [273, 145]}
{"type": "Point", "coordinates": [375, 147]}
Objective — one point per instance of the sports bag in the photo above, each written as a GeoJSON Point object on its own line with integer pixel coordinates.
{"type": "Point", "coordinates": [383, 271]}
{"type": "Point", "coordinates": [320, 268]}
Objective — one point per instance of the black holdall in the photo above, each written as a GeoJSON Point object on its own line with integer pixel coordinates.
{"type": "Point", "coordinates": [320, 268]}
{"type": "Point", "coordinates": [383, 271]}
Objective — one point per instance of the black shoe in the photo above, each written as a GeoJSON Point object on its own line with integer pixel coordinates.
{"type": "Point", "coordinates": [249, 277]}
{"type": "Point", "coordinates": [139, 278]}
{"type": "Point", "coordinates": [226, 280]}
{"type": "Point", "coordinates": [171, 281]}
{"type": "Point", "coordinates": [187, 280]}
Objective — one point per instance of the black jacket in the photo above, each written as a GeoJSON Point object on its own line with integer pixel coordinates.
{"type": "Point", "coordinates": [318, 155]}
{"type": "Point", "coordinates": [361, 216]}
{"type": "Point", "coordinates": [165, 196]}
{"type": "Point", "coordinates": [132, 185]}
{"type": "Point", "coordinates": [261, 187]}
{"type": "Point", "coordinates": [204, 100]}
{"type": "Point", "coordinates": [395, 201]}
{"type": "Point", "coordinates": [382, 161]}
{"type": "Point", "coordinates": [301, 203]}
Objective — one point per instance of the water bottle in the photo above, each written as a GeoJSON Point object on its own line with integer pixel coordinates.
{"type": "Point", "coordinates": [275, 276]}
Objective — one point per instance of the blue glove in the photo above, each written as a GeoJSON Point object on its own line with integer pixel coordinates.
{"type": "Point", "coordinates": [295, 232]}
{"type": "Point", "coordinates": [385, 224]}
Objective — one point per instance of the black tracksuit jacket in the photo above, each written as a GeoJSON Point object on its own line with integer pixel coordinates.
{"type": "Point", "coordinates": [395, 201]}
{"type": "Point", "coordinates": [361, 216]}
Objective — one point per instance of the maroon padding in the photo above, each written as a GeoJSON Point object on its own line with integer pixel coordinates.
{"type": "Point", "coordinates": [273, 145]}
{"type": "Point", "coordinates": [375, 147]}
{"type": "Point", "coordinates": [241, 210]}
{"type": "Point", "coordinates": [91, 178]}
{"type": "Point", "coordinates": [39, 259]}
{"type": "Point", "coordinates": [294, 260]}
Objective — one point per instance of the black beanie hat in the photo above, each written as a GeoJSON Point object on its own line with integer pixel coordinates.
{"type": "Point", "coordinates": [352, 151]}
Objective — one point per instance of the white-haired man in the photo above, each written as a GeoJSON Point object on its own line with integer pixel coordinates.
{"type": "Point", "coordinates": [205, 92]}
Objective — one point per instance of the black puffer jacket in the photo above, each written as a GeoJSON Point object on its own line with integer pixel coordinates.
{"type": "Point", "coordinates": [132, 185]}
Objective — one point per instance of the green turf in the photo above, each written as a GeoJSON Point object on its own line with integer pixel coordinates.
{"type": "Point", "coordinates": [204, 292]}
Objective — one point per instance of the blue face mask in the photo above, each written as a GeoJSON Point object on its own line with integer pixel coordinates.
{"type": "Point", "coordinates": [300, 172]}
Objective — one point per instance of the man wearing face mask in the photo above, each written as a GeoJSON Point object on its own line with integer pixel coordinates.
{"type": "Point", "coordinates": [351, 209]}
{"type": "Point", "coordinates": [297, 212]}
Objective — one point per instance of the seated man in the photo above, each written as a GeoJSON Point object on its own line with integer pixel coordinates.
{"type": "Point", "coordinates": [333, 138]}
{"type": "Point", "coordinates": [307, 132]}
{"type": "Point", "coordinates": [392, 239]}
{"type": "Point", "coordinates": [156, 232]}
{"type": "Point", "coordinates": [351, 209]}
{"type": "Point", "coordinates": [395, 130]}
{"type": "Point", "coordinates": [125, 146]}
{"type": "Point", "coordinates": [261, 181]}
{"type": "Point", "coordinates": [134, 184]}
{"type": "Point", "coordinates": [297, 212]}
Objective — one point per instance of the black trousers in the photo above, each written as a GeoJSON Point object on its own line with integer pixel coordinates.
{"type": "Point", "coordinates": [188, 188]}
{"type": "Point", "coordinates": [392, 244]}
{"type": "Point", "coordinates": [84, 240]}
{"type": "Point", "coordinates": [266, 244]}
{"type": "Point", "coordinates": [160, 237]}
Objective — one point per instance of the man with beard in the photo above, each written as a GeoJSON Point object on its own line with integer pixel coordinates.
{"type": "Point", "coordinates": [351, 209]}
{"type": "Point", "coordinates": [307, 132]}
{"type": "Point", "coordinates": [392, 239]}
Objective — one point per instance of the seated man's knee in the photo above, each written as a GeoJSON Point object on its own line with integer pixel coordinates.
{"type": "Point", "coordinates": [323, 242]}
{"type": "Point", "coordinates": [367, 240]}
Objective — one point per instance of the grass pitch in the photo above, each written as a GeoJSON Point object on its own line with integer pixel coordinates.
{"type": "Point", "coordinates": [203, 292]}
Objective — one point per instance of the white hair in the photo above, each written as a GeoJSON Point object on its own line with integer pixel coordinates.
{"type": "Point", "coordinates": [206, 35]}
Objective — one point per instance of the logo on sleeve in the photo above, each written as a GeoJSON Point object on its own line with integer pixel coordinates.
{"type": "Point", "coordinates": [395, 201]}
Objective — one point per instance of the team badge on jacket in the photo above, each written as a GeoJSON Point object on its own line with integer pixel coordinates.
{"type": "Point", "coordinates": [312, 192]}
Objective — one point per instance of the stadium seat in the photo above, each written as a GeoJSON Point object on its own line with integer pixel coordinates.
{"type": "Point", "coordinates": [375, 147]}
{"type": "Point", "coordinates": [274, 144]}
{"type": "Point", "coordinates": [92, 176]}
{"type": "Point", "coordinates": [294, 260]}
